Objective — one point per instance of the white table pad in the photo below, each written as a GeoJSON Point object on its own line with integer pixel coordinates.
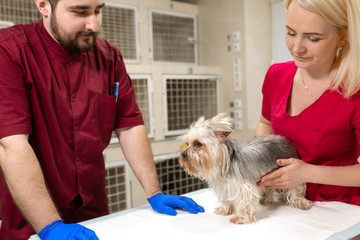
{"type": "Point", "coordinates": [276, 221]}
{"type": "Point", "coordinates": [325, 220]}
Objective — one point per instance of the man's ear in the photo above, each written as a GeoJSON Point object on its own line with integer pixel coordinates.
{"type": "Point", "coordinates": [44, 7]}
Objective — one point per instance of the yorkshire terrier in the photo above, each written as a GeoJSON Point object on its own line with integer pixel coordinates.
{"type": "Point", "coordinates": [232, 169]}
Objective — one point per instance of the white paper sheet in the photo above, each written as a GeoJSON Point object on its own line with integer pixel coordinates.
{"type": "Point", "coordinates": [275, 221]}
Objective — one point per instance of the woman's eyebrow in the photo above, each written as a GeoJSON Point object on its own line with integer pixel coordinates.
{"type": "Point", "coordinates": [307, 33]}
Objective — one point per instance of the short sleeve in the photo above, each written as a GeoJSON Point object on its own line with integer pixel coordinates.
{"type": "Point", "coordinates": [128, 113]}
{"type": "Point", "coordinates": [266, 91]}
{"type": "Point", "coordinates": [356, 123]}
{"type": "Point", "coordinates": [15, 117]}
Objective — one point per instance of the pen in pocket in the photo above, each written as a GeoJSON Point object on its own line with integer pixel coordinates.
{"type": "Point", "coordinates": [115, 90]}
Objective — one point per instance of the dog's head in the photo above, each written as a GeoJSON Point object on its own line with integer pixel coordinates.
{"type": "Point", "coordinates": [202, 150]}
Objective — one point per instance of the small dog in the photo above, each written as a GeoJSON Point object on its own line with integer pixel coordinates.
{"type": "Point", "coordinates": [233, 169]}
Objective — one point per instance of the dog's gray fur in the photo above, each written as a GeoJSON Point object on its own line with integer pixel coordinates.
{"type": "Point", "coordinates": [259, 155]}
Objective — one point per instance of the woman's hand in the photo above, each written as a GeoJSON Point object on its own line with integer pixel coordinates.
{"type": "Point", "coordinates": [292, 172]}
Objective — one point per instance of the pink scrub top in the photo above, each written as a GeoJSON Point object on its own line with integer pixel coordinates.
{"type": "Point", "coordinates": [64, 102]}
{"type": "Point", "coordinates": [326, 133]}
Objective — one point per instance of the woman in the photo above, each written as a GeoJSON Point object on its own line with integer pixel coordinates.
{"type": "Point", "coordinates": [314, 100]}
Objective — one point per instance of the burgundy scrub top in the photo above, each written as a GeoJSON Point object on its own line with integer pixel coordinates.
{"type": "Point", "coordinates": [325, 133]}
{"type": "Point", "coordinates": [64, 102]}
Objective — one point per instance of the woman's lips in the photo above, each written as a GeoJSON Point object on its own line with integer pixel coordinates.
{"type": "Point", "coordinates": [301, 59]}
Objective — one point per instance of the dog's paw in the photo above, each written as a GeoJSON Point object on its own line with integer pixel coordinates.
{"type": "Point", "coordinates": [302, 204]}
{"type": "Point", "coordinates": [242, 220]}
{"type": "Point", "coordinates": [222, 211]}
{"type": "Point", "coordinates": [305, 204]}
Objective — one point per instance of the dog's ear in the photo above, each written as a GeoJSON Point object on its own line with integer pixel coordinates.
{"type": "Point", "coordinates": [219, 118]}
{"type": "Point", "coordinates": [198, 123]}
{"type": "Point", "coordinates": [222, 134]}
{"type": "Point", "coordinates": [222, 120]}
{"type": "Point", "coordinates": [221, 125]}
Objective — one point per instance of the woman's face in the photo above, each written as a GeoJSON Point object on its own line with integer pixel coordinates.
{"type": "Point", "coordinates": [310, 39]}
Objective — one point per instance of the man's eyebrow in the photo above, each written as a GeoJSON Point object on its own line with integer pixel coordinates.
{"type": "Point", "coordinates": [308, 33]}
{"type": "Point", "coordinates": [84, 7]}
{"type": "Point", "coordinates": [101, 5]}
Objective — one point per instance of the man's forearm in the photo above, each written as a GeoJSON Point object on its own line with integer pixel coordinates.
{"type": "Point", "coordinates": [26, 183]}
{"type": "Point", "coordinates": [137, 150]}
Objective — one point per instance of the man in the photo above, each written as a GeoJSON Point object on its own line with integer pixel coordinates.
{"type": "Point", "coordinates": [57, 113]}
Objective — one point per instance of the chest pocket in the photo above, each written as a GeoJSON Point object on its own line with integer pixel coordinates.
{"type": "Point", "coordinates": [105, 107]}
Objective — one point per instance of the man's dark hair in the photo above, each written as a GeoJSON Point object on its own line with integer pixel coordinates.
{"type": "Point", "coordinates": [53, 4]}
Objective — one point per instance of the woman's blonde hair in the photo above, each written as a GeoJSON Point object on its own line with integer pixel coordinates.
{"type": "Point", "coordinates": [345, 15]}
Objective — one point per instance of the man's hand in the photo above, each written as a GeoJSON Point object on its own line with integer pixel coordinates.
{"type": "Point", "coordinates": [58, 230]}
{"type": "Point", "coordinates": [166, 203]}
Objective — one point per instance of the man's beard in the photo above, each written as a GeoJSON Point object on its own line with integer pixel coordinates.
{"type": "Point", "coordinates": [73, 43]}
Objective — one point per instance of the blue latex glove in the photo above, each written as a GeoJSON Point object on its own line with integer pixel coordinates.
{"type": "Point", "coordinates": [166, 203]}
{"type": "Point", "coordinates": [58, 230]}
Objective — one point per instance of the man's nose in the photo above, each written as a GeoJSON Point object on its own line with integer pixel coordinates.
{"type": "Point", "coordinates": [92, 23]}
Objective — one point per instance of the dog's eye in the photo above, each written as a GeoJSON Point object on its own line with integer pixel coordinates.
{"type": "Point", "coordinates": [197, 144]}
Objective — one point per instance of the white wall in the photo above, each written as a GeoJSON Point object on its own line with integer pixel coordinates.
{"type": "Point", "coordinates": [280, 53]}
{"type": "Point", "coordinates": [258, 54]}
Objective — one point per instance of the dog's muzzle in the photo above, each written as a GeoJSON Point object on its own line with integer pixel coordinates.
{"type": "Point", "coordinates": [184, 155]}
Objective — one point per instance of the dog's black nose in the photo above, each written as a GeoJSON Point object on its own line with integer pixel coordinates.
{"type": "Point", "coordinates": [184, 155]}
